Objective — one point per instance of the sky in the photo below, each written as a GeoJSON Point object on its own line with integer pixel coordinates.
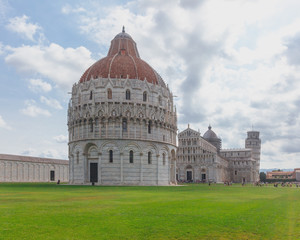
{"type": "Point", "coordinates": [233, 64]}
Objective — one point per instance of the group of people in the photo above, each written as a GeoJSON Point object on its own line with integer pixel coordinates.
{"type": "Point", "coordinates": [276, 184]}
{"type": "Point", "coordinates": [227, 183]}
{"type": "Point", "coordinates": [286, 184]}
{"type": "Point", "coordinates": [258, 183]}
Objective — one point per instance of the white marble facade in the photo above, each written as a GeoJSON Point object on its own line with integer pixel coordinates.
{"type": "Point", "coordinates": [122, 130]}
{"type": "Point", "coordinates": [199, 160]}
{"type": "Point", "coordinates": [14, 168]}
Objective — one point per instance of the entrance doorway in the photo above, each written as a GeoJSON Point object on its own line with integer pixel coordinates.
{"type": "Point", "coordinates": [52, 175]}
{"type": "Point", "coordinates": [189, 176]}
{"type": "Point", "coordinates": [93, 172]}
{"type": "Point", "coordinates": [203, 177]}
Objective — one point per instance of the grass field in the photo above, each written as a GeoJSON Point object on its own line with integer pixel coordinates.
{"type": "Point", "coordinates": [49, 211]}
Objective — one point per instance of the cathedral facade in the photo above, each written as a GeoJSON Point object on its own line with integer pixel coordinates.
{"type": "Point", "coordinates": [122, 123]}
{"type": "Point", "coordinates": [202, 159]}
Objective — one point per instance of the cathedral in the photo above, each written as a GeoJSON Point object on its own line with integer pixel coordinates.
{"type": "Point", "coordinates": [202, 159]}
{"type": "Point", "coordinates": [123, 130]}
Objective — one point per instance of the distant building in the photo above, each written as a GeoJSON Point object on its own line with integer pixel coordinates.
{"type": "Point", "coordinates": [14, 168]}
{"type": "Point", "coordinates": [284, 175]}
{"type": "Point", "coordinates": [202, 159]}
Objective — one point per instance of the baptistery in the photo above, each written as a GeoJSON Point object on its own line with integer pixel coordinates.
{"type": "Point", "coordinates": [122, 122]}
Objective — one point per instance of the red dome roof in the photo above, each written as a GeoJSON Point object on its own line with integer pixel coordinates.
{"type": "Point", "coordinates": [122, 59]}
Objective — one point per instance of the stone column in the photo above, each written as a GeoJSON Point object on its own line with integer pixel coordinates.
{"type": "Point", "coordinates": [121, 129]}
{"type": "Point", "coordinates": [121, 169]}
{"type": "Point", "coordinates": [84, 162]}
{"type": "Point", "coordinates": [99, 127]}
{"type": "Point", "coordinates": [106, 125]}
{"type": "Point", "coordinates": [175, 169]}
{"type": "Point", "coordinates": [141, 123]}
{"type": "Point", "coordinates": [4, 171]}
{"type": "Point", "coordinates": [17, 171]}
{"type": "Point", "coordinates": [134, 128]}
{"type": "Point", "coordinates": [71, 169]}
{"type": "Point", "coordinates": [99, 168]}
{"type": "Point", "coordinates": [169, 169]}
{"type": "Point", "coordinates": [114, 128]}
{"type": "Point", "coordinates": [94, 128]}
{"type": "Point", "coordinates": [157, 172]}
{"type": "Point", "coordinates": [128, 128]}
{"type": "Point", "coordinates": [141, 168]}
{"type": "Point", "coordinates": [76, 131]}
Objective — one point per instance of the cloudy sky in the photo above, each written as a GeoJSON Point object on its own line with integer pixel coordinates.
{"type": "Point", "coordinates": [233, 64]}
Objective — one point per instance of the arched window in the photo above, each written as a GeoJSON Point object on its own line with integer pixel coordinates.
{"type": "Point", "coordinates": [145, 97]}
{"type": "Point", "coordinates": [127, 94]}
{"type": "Point", "coordinates": [131, 156]}
{"type": "Point", "coordinates": [149, 127]}
{"type": "Point", "coordinates": [109, 93]}
{"type": "Point", "coordinates": [91, 95]}
{"type": "Point", "coordinates": [77, 157]}
{"type": "Point", "coordinates": [164, 159]}
{"type": "Point", "coordinates": [111, 156]}
{"type": "Point", "coordinates": [149, 157]}
{"type": "Point", "coordinates": [91, 125]}
{"type": "Point", "coordinates": [159, 100]}
{"type": "Point", "coordinates": [124, 125]}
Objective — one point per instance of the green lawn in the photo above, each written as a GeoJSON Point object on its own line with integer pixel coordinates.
{"type": "Point", "coordinates": [49, 211]}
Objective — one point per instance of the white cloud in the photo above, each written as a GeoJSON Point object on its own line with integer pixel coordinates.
{"type": "Point", "coordinates": [29, 152]}
{"type": "Point", "coordinates": [44, 153]}
{"type": "Point", "coordinates": [38, 85]}
{"type": "Point", "coordinates": [51, 102]}
{"type": "Point", "coordinates": [33, 110]}
{"type": "Point", "coordinates": [22, 26]}
{"type": "Point", "coordinates": [3, 124]}
{"type": "Point", "coordinates": [51, 153]}
{"type": "Point", "coordinates": [69, 9]}
{"type": "Point", "coordinates": [61, 139]}
{"type": "Point", "coordinates": [1, 48]}
{"type": "Point", "coordinates": [64, 66]}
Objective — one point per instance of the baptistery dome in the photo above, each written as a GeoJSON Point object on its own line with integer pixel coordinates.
{"type": "Point", "coordinates": [122, 122]}
{"type": "Point", "coordinates": [122, 61]}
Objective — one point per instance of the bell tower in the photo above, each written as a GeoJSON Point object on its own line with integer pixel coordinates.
{"type": "Point", "coordinates": [253, 142]}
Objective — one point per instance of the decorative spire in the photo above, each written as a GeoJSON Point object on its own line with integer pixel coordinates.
{"type": "Point", "coordinates": [209, 127]}
{"type": "Point", "coordinates": [188, 125]}
{"type": "Point", "coordinates": [123, 29]}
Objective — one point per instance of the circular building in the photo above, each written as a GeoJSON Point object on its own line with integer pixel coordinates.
{"type": "Point", "coordinates": [121, 121]}
{"type": "Point", "coordinates": [212, 138]}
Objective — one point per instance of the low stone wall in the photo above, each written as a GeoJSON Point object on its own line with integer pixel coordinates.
{"type": "Point", "coordinates": [15, 168]}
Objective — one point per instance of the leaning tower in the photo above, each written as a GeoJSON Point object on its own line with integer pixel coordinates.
{"type": "Point", "coordinates": [253, 142]}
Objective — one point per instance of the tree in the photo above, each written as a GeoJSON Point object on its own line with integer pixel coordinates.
{"type": "Point", "coordinates": [262, 176]}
